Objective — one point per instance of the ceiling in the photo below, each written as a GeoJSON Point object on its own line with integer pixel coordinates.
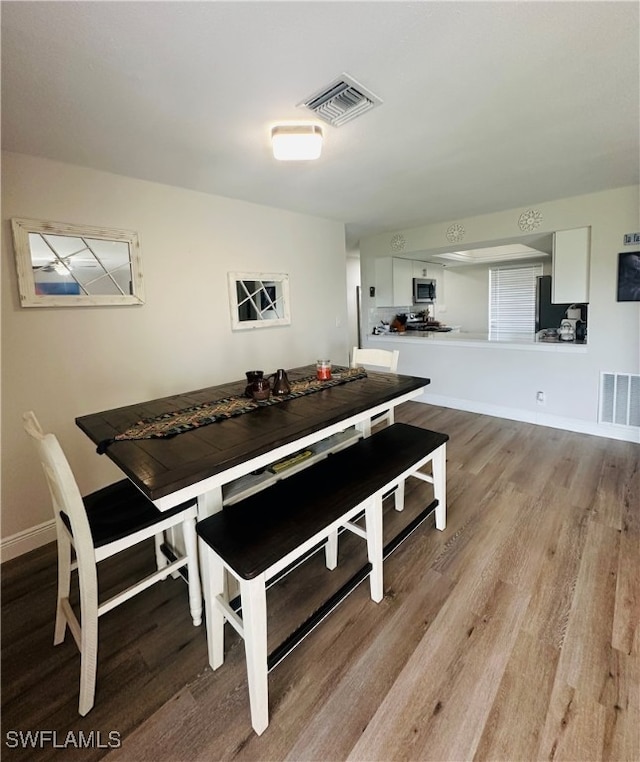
{"type": "Point", "coordinates": [485, 105]}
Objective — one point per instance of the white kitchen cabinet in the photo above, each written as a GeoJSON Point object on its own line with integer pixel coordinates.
{"type": "Point", "coordinates": [420, 269]}
{"type": "Point", "coordinates": [394, 282]}
{"type": "Point", "coordinates": [570, 281]}
{"type": "Point", "coordinates": [427, 270]}
{"type": "Point", "coordinates": [436, 272]}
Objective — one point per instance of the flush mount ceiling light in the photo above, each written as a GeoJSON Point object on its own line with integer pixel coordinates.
{"type": "Point", "coordinates": [301, 142]}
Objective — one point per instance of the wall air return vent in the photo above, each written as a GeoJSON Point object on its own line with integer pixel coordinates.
{"type": "Point", "coordinates": [620, 399]}
{"type": "Point", "coordinates": [342, 101]}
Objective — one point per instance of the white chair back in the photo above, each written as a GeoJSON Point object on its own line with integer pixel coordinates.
{"type": "Point", "coordinates": [65, 494]}
{"type": "Point", "coordinates": [375, 358]}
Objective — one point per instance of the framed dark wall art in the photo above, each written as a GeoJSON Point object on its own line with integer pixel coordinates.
{"type": "Point", "coordinates": [629, 276]}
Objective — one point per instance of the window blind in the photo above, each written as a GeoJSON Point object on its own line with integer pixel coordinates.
{"type": "Point", "coordinates": [512, 301]}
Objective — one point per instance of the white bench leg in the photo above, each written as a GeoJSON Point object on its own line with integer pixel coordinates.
{"type": "Point", "coordinates": [331, 551]}
{"type": "Point", "coordinates": [399, 496]}
{"type": "Point", "coordinates": [254, 618]}
{"type": "Point", "coordinates": [213, 586]}
{"type": "Point", "coordinates": [208, 503]}
{"type": "Point", "coordinates": [373, 518]}
{"type": "Point", "coordinates": [440, 485]}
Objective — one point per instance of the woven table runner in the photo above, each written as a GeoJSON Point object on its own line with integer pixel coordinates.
{"type": "Point", "coordinates": [171, 424]}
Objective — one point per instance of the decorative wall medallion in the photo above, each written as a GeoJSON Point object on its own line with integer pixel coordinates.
{"type": "Point", "coordinates": [398, 242]}
{"type": "Point", "coordinates": [530, 220]}
{"type": "Point", "coordinates": [455, 233]}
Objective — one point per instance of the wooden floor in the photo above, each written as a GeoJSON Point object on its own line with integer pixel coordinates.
{"type": "Point", "coordinates": [513, 635]}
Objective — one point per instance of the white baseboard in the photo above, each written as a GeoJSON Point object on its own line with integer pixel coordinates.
{"type": "Point", "coordinates": [29, 539]}
{"type": "Point", "coordinates": [578, 425]}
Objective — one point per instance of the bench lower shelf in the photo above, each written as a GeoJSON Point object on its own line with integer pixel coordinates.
{"type": "Point", "coordinates": [323, 611]}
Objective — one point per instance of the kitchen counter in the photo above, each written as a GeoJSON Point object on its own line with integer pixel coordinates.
{"type": "Point", "coordinates": [477, 341]}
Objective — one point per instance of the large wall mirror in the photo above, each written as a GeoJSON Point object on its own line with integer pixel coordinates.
{"type": "Point", "coordinates": [61, 265]}
{"type": "Point", "coordinates": [258, 300]}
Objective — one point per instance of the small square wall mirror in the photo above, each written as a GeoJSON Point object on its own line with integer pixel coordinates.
{"type": "Point", "coordinates": [62, 265]}
{"type": "Point", "coordinates": [258, 300]}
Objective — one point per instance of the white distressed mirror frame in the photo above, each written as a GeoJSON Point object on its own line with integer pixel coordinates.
{"type": "Point", "coordinates": [240, 325]}
{"type": "Point", "coordinates": [21, 227]}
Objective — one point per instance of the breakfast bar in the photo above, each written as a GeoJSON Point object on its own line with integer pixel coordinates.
{"type": "Point", "coordinates": [473, 340]}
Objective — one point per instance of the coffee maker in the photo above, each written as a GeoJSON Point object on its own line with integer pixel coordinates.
{"type": "Point", "coordinates": [574, 314]}
{"type": "Point", "coordinates": [574, 317]}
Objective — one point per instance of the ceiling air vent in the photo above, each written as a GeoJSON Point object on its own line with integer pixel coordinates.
{"type": "Point", "coordinates": [342, 101]}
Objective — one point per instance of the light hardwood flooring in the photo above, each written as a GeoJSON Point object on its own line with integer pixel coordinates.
{"type": "Point", "coordinates": [512, 635]}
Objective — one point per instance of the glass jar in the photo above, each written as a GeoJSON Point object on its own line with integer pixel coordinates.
{"type": "Point", "coordinates": [252, 376]}
{"type": "Point", "coordinates": [323, 369]}
{"type": "Point", "coordinates": [261, 389]}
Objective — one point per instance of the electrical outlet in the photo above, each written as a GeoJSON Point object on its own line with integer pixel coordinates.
{"type": "Point", "coordinates": [540, 398]}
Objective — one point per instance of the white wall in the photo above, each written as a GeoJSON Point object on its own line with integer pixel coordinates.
{"type": "Point", "coordinates": [466, 292]}
{"type": "Point", "coordinates": [504, 381]}
{"type": "Point", "coordinates": [66, 362]}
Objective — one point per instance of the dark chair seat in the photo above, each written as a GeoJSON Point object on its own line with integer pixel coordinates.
{"type": "Point", "coordinates": [119, 510]}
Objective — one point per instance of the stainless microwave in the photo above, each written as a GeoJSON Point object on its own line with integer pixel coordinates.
{"type": "Point", "coordinates": [424, 291]}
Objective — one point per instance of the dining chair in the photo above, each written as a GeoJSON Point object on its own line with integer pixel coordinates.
{"type": "Point", "coordinates": [97, 527]}
{"type": "Point", "coordinates": [381, 358]}
{"type": "Point", "coordinates": [377, 359]}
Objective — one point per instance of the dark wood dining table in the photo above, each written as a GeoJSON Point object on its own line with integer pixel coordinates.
{"type": "Point", "coordinates": [199, 462]}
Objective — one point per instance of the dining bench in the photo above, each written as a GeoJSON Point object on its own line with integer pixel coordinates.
{"type": "Point", "coordinates": [259, 537]}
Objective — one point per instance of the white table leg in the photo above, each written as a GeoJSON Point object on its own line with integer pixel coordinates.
{"type": "Point", "coordinates": [208, 504]}
{"type": "Point", "coordinates": [195, 587]}
{"type": "Point", "coordinates": [254, 618]}
{"type": "Point", "coordinates": [161, 559]}
{"type": "Point", "coordinates": [364, 427]}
